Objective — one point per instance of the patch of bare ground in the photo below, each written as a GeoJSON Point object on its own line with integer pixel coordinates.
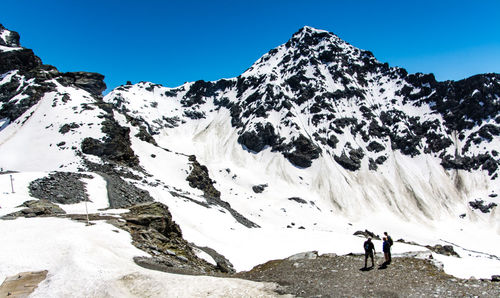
{"type": "Point", "coordinates": [344, 276]}
{"type": "Point", "coordinates": [21, 284]}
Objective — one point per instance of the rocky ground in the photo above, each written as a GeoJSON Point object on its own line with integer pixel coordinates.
{"type": "Point", "coordinates": [309, 275]}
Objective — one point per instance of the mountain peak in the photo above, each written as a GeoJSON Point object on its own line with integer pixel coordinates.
{"type": "Point", "coordinates": [8, 38]}
{"type": "Point", "coordinates": [306, 49]}
{"type": "Point", "coordinates": [309, 29]}
{"type": "Point", "coordinates": [311, 36]}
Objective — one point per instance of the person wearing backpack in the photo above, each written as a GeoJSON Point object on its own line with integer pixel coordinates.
{"type": "Point", "coordinates": [369, 251]}
{"type": "Point", "coordinates": [389, 242]}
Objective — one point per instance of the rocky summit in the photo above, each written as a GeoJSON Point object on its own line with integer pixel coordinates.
{"type": "Point", "coordinates": [316, 141]}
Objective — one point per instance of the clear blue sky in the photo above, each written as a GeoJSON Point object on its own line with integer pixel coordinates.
{"type": "Point", "coordinates": [171, 42]}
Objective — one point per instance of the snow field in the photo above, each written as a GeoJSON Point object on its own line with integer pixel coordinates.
{"type": "Point", "coordinates": [96, 260]}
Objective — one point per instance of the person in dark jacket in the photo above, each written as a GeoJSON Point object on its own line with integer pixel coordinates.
{"type": "Point", "coordinates": [386, 248]}
{"type": "Point", "coordinates": [389, 239]}
{"type": "Point", "coordinates": [369, 251]}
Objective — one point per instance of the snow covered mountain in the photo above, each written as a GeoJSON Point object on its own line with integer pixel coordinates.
{"type": "Point", "coordinates": [313, 142]}
{"type": "Point", "coordinates": [336, 127]}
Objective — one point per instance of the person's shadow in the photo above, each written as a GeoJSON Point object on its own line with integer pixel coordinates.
{"type": "Point", "coordinates": [383, 266]}
{"type": "Point", "coordinates": [366, 268]}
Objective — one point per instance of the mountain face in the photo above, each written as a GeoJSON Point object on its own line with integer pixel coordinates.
{"type": "Point", "coordinates": [317, 95]}
{"type": "Point", "coordinates": [316, 135]}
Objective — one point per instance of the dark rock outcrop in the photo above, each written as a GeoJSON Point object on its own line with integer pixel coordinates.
{"type": "Point", "coordinates": [446, 250]}
{"type": "Point", "coordinates": [305, 151]}
{"type": "Point", "coordinates": [260, 138]}
{"type": "Point", "coordinates": [298, 200]}
{"type": "Point", "coordinates": [88, 81]}
{"type": "Point", "coordinates": [154, 231]}
{"type": "Point", "coordinates": [9, 38]}
{"type": "Point", "coordinates": [198, 178]}
{"type": "Point", "coordinates": [114, 147]}
{"type": "Point", "coordinates": [367, 234]}
{"type": "Point", "coordinates": [480, 205]}
{"type": "Point", "coordinates": [22, 60]}
{"type": "Point", "coordinates": [259, 188]}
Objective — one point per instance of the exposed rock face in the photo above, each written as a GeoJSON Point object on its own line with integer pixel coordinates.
{"type": "Point", "coordinates": [154, 216]}
{"type": "Point", "coordinates": [199, 178]}
{"type": "Point", "coordinates": [259, 139]}
{"type": "Point", "coordinates": [154, 231]}
{"type": "Point", "coordinates": [89, 81]}
{"type": "Point", "coordinates": [304, 152]}
{"type": "Point", "coordinates": [9, 38]}
{"type": "Point", "coordinates": [116, 148]}
{"type": "Point", "coordinates": [223, 264]}
{"type": "Point", "coordinates": [23, 60]}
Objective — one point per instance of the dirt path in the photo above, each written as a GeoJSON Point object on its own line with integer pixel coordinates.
{"type": "Point", "coordinates": [21, 284]}
{"type": "Point", "coordinates": [341, 276]}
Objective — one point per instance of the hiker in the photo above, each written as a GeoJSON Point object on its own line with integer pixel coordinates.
{"type": "Point", "coordinates": [369, 251]}
{"type": "Point", "coordinates": [389, 240]}
{"type": "Point", "coordinates": [386, 248]}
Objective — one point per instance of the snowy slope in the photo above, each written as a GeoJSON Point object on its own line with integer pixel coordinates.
{"type": "Point", "coordinates": [38, 132]}
{"type": "Point", "coordinates": [96, 260]}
